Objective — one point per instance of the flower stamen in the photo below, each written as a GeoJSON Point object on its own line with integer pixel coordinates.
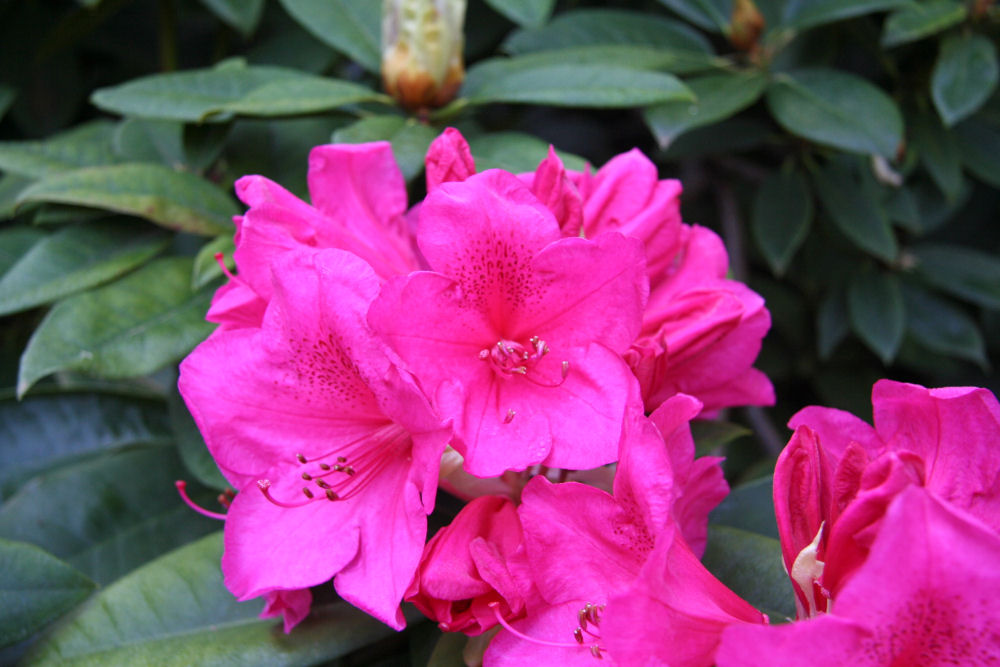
{"type": "Point", "coordinates": [182, 491]}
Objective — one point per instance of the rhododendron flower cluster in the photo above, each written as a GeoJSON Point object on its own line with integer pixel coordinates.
{"type": "Point", "coordinates": [539, 344]}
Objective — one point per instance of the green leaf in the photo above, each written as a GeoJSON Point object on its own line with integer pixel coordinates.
{"type": "Point", "coordinates": [575, 85]}
{"type": "Point", "coordinates": [527, 13]}
{"type": "Point", "coordinates": [46, 431]}
{"type": "Point", "coordinates": [710, 15]}
{"type": "Point", "coordinates": [782, 215]}
{"type": "Point", "coordinates": [735, 135]}
{"type": "Point", "coordinates": [515, 152]}
{"type": "Point", "coordinates": [241, 15]}
{"type": "Point", "coordinates": [803, 14]}
{"type": "Point", "coordinates": [750, 564]}
{"type": "Point", "coordinates": [216, 93]}
{"type": "Point", "coordinates": [194, 453]}
{"type": "Point", "coordinates": [876, 311]}
{"type": "Point", "coordinates": [941, 326]}
{"type": "Point", "coordinates": [962, 272]}
{"type": "Point", "coordinates": [35, 589]}
{"type": "Point", "coordinates": [76, 258]}
{"type": "Point", "coordinates": [410, 139]}
{"type": "Point", "coordinates": [449, 650]}
{"type": "Point", "coordinates": [7, 97]}
{"type": "Point", "coordinates": [965, 75]}
{"type": "Point", "coordinates": [173, 199]}
{"type": "Point", "coordinates": [11, 187]}
{"type": "Point", "coordinates": [350, 27]}
{"type": "Point", "coordinates": [85, 146]}
{"type": "Point", "coordinates": [206, 269]}
{"type": "Point", "coordinates": [921, 19]}
{"type": "Point", "coordinates": [129, 328]}
{"type": "Point", "coordinates": [979, 145]}
{"type": "Point", "coordinates": [588, 27]}
{"type": "Point", "coordinates": [855, 211]}
{"type": "Point", "coordinates": [939, 154]}
{"type": "Point", "coordinates": [711, 435]}
{"type": "Point", "coordinates": [176, 611]}
{"type": "Point", "coordinates": [749, 507]}
{"type": "Point", "coordinates": [173, 143]}
{"type": "Point", "coordinates": [837, 109]}
{"type": "Point", "coordinates": [14, 242]}
{"type": "Point", "coordinates": [717, 96]}
{"type": "Point", "coordinates": [831, 322]}
{"type": "Point", "coordinates": [108, 515]}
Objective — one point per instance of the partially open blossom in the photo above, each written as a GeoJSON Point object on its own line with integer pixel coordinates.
{"type": "Point", "coordinates": [333, 448]}
{"type": "Point", "coordinates": [476, 561]}
{"type": "Point", "coordinates": [517, 333]}
{"type": "Point", "coordinates": [422, 51]}
{"type": "Point", "coordinates": [926, 595]}
{"type": "Point", "coordinates": [292, 605]}
{"type": "Point", "coordinates": [838, 475]}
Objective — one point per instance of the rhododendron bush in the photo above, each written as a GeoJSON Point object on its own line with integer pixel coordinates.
{"type": "Point", "coordinates": [434, 332]}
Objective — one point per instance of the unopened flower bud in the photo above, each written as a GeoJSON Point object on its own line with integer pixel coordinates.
{"type": "Point", "coordinates": [422, 51]}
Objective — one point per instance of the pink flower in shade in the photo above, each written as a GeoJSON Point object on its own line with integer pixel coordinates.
{"type": "Point", "coordinates": [334, 449]}
{"type": "Point", "coordinates": [476, 561]}
{"type": "Point", "coordinates": [700, 331]}
{"type": "Point", "coordinates": [926, 595]}
{"type": "Point", "coordinates": [292, 605]}
{"type": "Point", "coordinates": [517, 333]}
{"type": "Point", "coordinates": [585, 547]}
{"type": "Point", "coordinates": [358, 204]}
{"type": "Point", "coordinates": [838, 475]}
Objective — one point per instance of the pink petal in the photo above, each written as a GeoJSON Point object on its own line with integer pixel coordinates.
{"type": "Point", "coordinates": [293, 605]}
{"type": "Point", "coordinates": [555, 189]}
{"type": "Point", "coordinates": [553, 624]}
{"type": "Point", "coordinates": [836, 429]}
{"type": "Point", "coordinates": [448, 159]}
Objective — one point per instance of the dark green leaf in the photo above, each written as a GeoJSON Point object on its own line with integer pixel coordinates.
{"type": "Point", "coordinates": [831, 322]}
{"type": "Point", "coordinates": [782, 215]}
{"type": "Point", "coordinates": [173, 199]}
{"type": "Point", "coordinates": [301, 95]}
{"type": "Point", "coordinates": [515, 152]}
{"type": "Point", "coordinates": [963, 272]}
{"type": "Point", "coordinates": [350, 27]}
{"type": "Point", "coordinates": [731, 136]}
{"type": "Point", "coordinates": [46, 431]}
{"type": "Point", "coordinates": [241, 15]}
{"type": "Point", "coordinates": [206, 268]}
{"type": "Point", "coordinates": [979, 145]}
{"type": "Point", "coordinates": [171, 142]}
{"type": "Point", "coordinates": [802, 14]}
{"type": "Point", "coordinates": [582, 86]}
{"type": "Point", "coordinates": [194, 453]}
{"type": "Point", "coordinates": [588, 27]}
{"type": "Point", "coordinates": [76, 258]}
{"type": "Point", "coordinates": [855, 211]}
{"type": "Point", "coordinates": [11, 187]}
{"type": "Point", "coordinates": [876, 311]}
{"type": "Point", "coordinates": [448, 652]}
{"type": "Point", "coordinates": [85, 146]}
{"type": "Point", "coordinates": [176, 611]}
{"type": "Point", "coordinates": [710, 15]}
{"type": "Point", "coordinates": [710, 435]}
{"type": "Point", "coordinates": [749, 507]}
{"type": "Point", "coordinates": [7, 97]}
{"type": "Point", "coordinates": [938, 153]}
{"type": "Point", "coordinates": [108, 515]}
{"type": "Point", "coordinates": [921, 19]}
{"type": "Point", "coordinates": [129, 328]}
{"type": "Point", "coordinates": [410, 139]}
{"type": "Point", "coordinates": [750, 564]}
{"type": "Point", "coordinates": [14, 242]}
{"type": "Point", "coordinates": [717, 96]}
{"type": "Point", "coordinates": [35, 589]}
{"type": "Point", "coordinates": [838, 109]}
{"type": "Point", "coordinates": [527, 13]}
{"type": "Point", "coordinates": [941, 326]}
{"type": "Point", "coordinates": [964, 77]}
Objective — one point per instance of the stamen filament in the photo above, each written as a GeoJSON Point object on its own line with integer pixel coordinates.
{"type": "Point", "coordinates": [182, 491]}
{"type": "Point", "coordinates": [507, 626]}
{"type": "Point", "coordinates": [265, 487]}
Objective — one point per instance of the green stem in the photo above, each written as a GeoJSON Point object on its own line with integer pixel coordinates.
{"type": "Point", "coordinates": [168, 35]}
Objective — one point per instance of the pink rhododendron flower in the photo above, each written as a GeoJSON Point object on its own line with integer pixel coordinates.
{"type": "Point", "coordinates": [334, 449]}
{"type": "Point", "coordinates": [358, 204]}
{"type": "Point", "coordinates": [837, 476]}
{"type": "Point", "coordinates": [586, 546]}
{"type": "Point", "coordinates": [700, 331]}
{"type": "Point", "coordinates": [476, 561]}
{"type": "Point", "coordinates": [926, 595]}
{"type": "Point", "coordinates": [517, 334]}
{"type": "Point", "coordinates": [292, 605]}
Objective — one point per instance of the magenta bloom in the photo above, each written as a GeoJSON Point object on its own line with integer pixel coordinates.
{"type": "Point", "coordinates": [334, 449]}
{"type": "Point", "coordinates": [925, 596]}
{"type": "Point", "coordinates": [358, 204]}
{"type": "Point", "coordinates": [840, 473]}
{"type": "Point", "coordinates": [586, 548]}
{"type": "Point", "coordinates": [476, 561]}
{"type": "Point", "coordinates": [517, 333]}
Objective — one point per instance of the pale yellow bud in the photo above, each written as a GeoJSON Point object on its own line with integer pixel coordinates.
{"type": "Point", "coordinates": [422, 51]}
